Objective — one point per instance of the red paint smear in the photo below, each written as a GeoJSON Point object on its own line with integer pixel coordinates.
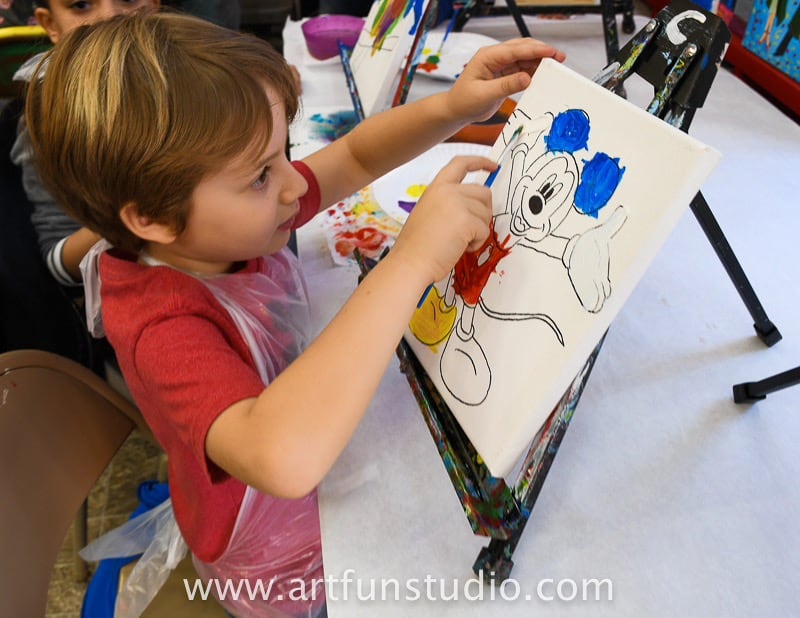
{"type": "Point", "coordinates": [470, 278]}
{"type": "Point", "coordinates": [366, 239]}
{"type": "Point", "coordinates": [428, 67]}
{"type": "Point", "coordinates": [344, 248]}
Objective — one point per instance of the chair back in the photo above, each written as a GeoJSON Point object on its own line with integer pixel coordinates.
{"type": "Point", "coordinates": [60, 426]}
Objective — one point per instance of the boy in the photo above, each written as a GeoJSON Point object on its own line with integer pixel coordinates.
{"type": "Point", "coordinates": [165, 135]}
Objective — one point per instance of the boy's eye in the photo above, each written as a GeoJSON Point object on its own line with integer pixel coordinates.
{"type": "Point", "coordinates": [261, 181]}
{"type": "Point", "coordinates": [79, 6]}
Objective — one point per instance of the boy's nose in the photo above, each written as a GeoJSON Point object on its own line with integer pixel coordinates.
{"type": "Point", "coordinates": [294, 188]}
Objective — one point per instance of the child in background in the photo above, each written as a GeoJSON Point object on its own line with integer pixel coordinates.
{"type": "Point", "coordinates": [165, 135]}
{"type": "Point", "coordinates": [16, 13]}
{"type": "Point", "coordinates": [63, 242]}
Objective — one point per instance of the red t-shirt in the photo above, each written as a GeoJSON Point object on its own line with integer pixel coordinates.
{"type": "Point", "coordinates": [185, 362]}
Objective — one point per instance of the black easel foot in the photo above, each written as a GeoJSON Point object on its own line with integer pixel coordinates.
{"type": "Point", "coordinates": [768, 333]}
{"type": "Point", "coordinates": [493, 562]}
{"type": "Point", "coordinates": [749, 392]}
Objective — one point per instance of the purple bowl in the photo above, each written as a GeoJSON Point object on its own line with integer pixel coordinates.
{"type": "Point", "coordinates": [323, 34]}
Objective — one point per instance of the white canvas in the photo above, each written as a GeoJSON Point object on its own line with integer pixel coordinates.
{"type": "Point", "coordinates": [384, 42]}
{"type": "Point", "coordinates": [583, 201]}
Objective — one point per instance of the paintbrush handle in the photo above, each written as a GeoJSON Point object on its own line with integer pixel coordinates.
{"type": "Point", "coordinates": [351, 81]}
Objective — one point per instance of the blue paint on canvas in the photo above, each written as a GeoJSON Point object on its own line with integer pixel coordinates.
{"type": "Point", "coordinates": [569, 132]}
{"type": "Point", "coordinates": [599, 179]}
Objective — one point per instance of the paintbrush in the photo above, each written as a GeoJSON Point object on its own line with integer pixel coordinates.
{"type": "Point", "coordinates": [351, 81]}
{"type": "Point", "coordinates": [506, 149]}
{"type": "Point", "coordinates": [488, 183]}
{"type": "Point", "coordinates": [449, 29]}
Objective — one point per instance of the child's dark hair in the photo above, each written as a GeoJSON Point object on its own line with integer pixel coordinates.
{"type": "Point", "coordinates": [139, 108]}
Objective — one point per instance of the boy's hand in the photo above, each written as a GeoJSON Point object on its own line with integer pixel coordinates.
{"type": "Point", "coordinates": [449, 218]}
{"type": "Point", "coordinates": [494, 73]}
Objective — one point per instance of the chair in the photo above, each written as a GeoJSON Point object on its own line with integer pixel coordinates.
{"type": "Point", "coordinates": [60, 426]}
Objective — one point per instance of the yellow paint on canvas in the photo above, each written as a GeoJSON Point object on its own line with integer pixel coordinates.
{"type": "Point", "coordinates": [433, 321]}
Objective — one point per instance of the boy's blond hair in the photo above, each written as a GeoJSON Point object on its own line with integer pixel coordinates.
{"type": "Point", "coordinates": [138, 109]}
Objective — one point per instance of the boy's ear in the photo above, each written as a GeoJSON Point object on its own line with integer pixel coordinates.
{"type": "Point", "coordinates": [145, 228]}
{"type": "Point", "coordinates": [46, 21]}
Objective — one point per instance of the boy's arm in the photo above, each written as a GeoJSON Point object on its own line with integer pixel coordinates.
{"type": "Point", "coordinates": [389, 139]}
{"type": "Point", "coordinates": [74, 248]}
{"type": "Point", "coordinates": [286, 440]}
{"type": "Point", "coordinates": [62, 241]}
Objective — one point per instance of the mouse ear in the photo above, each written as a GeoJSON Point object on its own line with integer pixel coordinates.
{"type": "Point", "coordinates": [569, 132]}
{"type": "Point", "coordinates": [599, 179]}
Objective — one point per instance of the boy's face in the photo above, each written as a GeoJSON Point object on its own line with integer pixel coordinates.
{"type": "Point", "coordinates": [244, 211]}
{"type": "Point", "coordinates": [66, 15]}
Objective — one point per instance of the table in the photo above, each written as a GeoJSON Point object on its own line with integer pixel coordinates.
{"type": "Point", "coordinates": [664, 492]}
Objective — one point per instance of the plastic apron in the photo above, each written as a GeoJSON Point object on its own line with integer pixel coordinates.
{"type": "Point", "coordinates": [272, 566]}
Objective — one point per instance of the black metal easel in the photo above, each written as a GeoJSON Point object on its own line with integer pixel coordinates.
{"type": "Point", "coordinates": [678, 52]}
{"type": "Point", "coordinates": [681, 72]}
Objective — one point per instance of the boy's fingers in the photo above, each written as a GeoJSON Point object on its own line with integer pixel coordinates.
{"type": "Point", "coordinates": [478, 238]}
{"type": "Point", "coordinates": [511, 84]}
{"type": "Point", "coordinates": [524, 54]}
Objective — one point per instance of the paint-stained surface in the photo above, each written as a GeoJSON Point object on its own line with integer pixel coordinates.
{"type": "Point", "coordinates": [358, 223]}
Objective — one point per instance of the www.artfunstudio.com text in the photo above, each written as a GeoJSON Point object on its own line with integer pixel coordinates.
{"type": "Point", "coordinates": [348, 587]}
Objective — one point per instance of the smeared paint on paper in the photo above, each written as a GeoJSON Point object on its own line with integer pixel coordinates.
{"type": "Point", "coordinates": [358, 223]}
{"type": "Point", "coordinates": [330, 127]}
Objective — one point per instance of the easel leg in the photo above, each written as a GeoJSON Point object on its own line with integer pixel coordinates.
{"type": "Point", "coordinates": [765, 329]}
{"type": "Point", "coordinates": [610, 29]}
{"type": "Point", "coordinates": [628, 23]}
{"type": "Point", "coordinates": [495, 559]}
{"type": "Point", "coordinates": [748, 392]}
{"type": "Point", "coordinates": [517, 15]}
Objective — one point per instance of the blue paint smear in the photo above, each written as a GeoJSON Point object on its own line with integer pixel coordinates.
{"type": "Point", "coordinates": [599, 179]}
{"type": "Point", "coordinates": [569, 132]}
{"type": "Point", "coordinates": [330, 127]}
{"type": "Point", "coordinates": [407, 206]}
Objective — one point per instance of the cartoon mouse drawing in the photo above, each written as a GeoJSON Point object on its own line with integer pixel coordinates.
{"type": "Point", "coordinates": [544, 183]}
